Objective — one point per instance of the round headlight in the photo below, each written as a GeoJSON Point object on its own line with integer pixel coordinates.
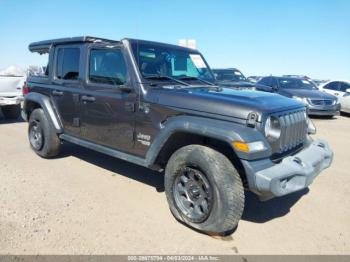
{"type": "Point", "coordinates": [273, 128]}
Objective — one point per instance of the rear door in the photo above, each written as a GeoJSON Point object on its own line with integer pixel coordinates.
{"type": "Point", "coordinates": [67, 86]}
{"type": "Point", "coordinates": [108, 101]}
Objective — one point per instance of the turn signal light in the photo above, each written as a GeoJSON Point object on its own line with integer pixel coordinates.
{"type": "Point", "coordinates": [252, 147]}
{"type": "Point", "coordinates": [240, 146]}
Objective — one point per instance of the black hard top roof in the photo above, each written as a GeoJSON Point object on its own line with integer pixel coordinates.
{"type": "Point", "coordinates": [44, 46]}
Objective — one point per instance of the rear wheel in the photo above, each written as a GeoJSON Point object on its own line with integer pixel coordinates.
{"type": "Point", "coordinates": [204, 190]}
{"type": "Point", "coordinates": [42, 137]}
{"type": "Point", "coordinates": [11, 111]}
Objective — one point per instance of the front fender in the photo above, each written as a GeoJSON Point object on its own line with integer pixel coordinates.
{"type": "Point", "coordinates": [212, 128]}
{"type": "Point", "coordinates": [47, 107]}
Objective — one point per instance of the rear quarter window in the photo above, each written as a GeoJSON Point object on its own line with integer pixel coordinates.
{"type": "Point", "coordinates": [67, 63]}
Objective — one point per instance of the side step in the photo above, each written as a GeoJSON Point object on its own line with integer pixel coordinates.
{"type": "Point", "coordinates": [105, 150]}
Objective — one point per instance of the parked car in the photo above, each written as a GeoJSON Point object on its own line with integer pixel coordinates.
{"type": "Point", "coordinates": [340, 89]}
{"type": "Point", "coordinates": [305, 91]}
{"type": "Point", "coordinates": [154, 105]}
{"type": "Point", "coordinates": [11, 83]}
{"type": "Point", "coordinates": [232, 78]}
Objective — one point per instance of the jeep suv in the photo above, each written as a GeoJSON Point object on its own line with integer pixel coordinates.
{"type": "Point", "coordinates": [154, 105]}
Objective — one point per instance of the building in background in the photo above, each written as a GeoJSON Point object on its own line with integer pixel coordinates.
{"type": "Point", "coordinates": [190, 43]}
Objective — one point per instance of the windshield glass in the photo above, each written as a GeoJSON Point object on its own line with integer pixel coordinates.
{"type": "Point", "coordinates": [229, 75]}
{"type": "Point", "coordinates": [162, 60]}
{"type": "Point", "coordinates": [296, 84]}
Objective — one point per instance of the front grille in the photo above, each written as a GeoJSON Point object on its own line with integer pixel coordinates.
{"type": "Point", "coordinates": [321, 102]}
{"type": "Point", "coordinates": [293, 132]}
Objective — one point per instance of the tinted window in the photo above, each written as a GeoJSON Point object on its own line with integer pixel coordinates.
{"type": "Point", "coordinates": [230, 75]}
{"type": "Point", "coordinates": [332, 86]}
{"type": "Point", "coordinates": [344, 86]}
{"type": "Point", "coordinates": [296, 83]}
{"type": "Point", "coordinates": [273, 82]}
{"type": "Point", "coordinates": [107, 67]}
{"type": "Point", "coordinates": [68, 63]}
{"type": "Point", "coordinates": [266, 81]}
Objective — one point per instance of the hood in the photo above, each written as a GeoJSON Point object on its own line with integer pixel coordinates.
{"type": "Point", "coordinates": [306, 93]}
{"type": "Point", "coordinates": [222, 101]}
{"type": "Point", "coordinates": [236, 84]}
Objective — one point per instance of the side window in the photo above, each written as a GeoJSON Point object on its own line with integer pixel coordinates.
{"type": "Point", "coordinates": [344, 86]}
{"type": "Point", "coordinates": [332, 86]}
{"type": "Point", "coordinates": [107, 67]}
{"type": "Point", "coordinates": [273, 82]}
{"type": "Point", "coordinates": [67, 67]}
{"type": "Point", "coordinates": [266, 81]}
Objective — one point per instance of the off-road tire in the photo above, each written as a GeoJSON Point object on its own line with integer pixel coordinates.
{"type": "Point", "coordinates": [50, 142]}
{"type": "Point", "coordinates": [228, 193]}
{"type": "Point", "coordinates": [11, 111]}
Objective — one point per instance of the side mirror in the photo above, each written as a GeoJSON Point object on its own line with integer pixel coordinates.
{"type": "Point", "coordinates": [347, 90]}
{"type": "Point", "coordinates": [275, 88]}
{"type": "Point", "coordinates": [126, 89]}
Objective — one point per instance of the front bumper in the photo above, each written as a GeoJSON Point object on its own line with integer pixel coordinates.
{"type": "Point", "coordinates": [324, 110]}
{"type": "Point", "coordinates": [292, 174]}
{"type": "Point", "coordinates": [7, 101]}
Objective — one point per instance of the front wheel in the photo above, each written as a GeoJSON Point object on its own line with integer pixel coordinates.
{"type": "Point", "coordinates": [204, 190]}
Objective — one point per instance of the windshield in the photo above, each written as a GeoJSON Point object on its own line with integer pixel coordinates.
{"type": "Point", "coordinates": [296, 84]}
{"type": "Point", "coordinates": [229, 75]}
{"type": "Point", "coordinates": [167, 61]}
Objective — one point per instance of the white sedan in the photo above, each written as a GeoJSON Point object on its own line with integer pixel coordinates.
{"type": "Point", "coordinates": [340, 89]}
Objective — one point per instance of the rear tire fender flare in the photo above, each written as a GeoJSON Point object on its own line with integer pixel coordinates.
{"type": "Point", "coordinates": [47, 107]}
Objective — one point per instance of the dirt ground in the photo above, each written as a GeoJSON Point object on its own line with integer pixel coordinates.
{"type": "Point", "coordinates": [87, 203]}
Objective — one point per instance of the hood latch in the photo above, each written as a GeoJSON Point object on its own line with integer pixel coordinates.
{"type": "Point", "coordinates": [252, 119]}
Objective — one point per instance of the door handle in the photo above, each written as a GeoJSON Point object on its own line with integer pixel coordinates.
{"type": "Point", "coordinates": [57, 93]}
{"type": "Point", "coordinates": [88, 98]}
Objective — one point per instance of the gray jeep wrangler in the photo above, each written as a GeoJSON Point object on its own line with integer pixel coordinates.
{"type": "Point", "coordinates": [156, 105]}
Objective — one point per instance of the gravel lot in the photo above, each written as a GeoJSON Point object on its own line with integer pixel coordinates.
{"type": "Point", "coordinates": [87, 203]}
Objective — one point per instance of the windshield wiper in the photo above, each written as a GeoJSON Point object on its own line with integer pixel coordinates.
{"type": "Point", "coordinates": [196, 78]}
{"type": "Point", "coordinates": [164, 77]}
